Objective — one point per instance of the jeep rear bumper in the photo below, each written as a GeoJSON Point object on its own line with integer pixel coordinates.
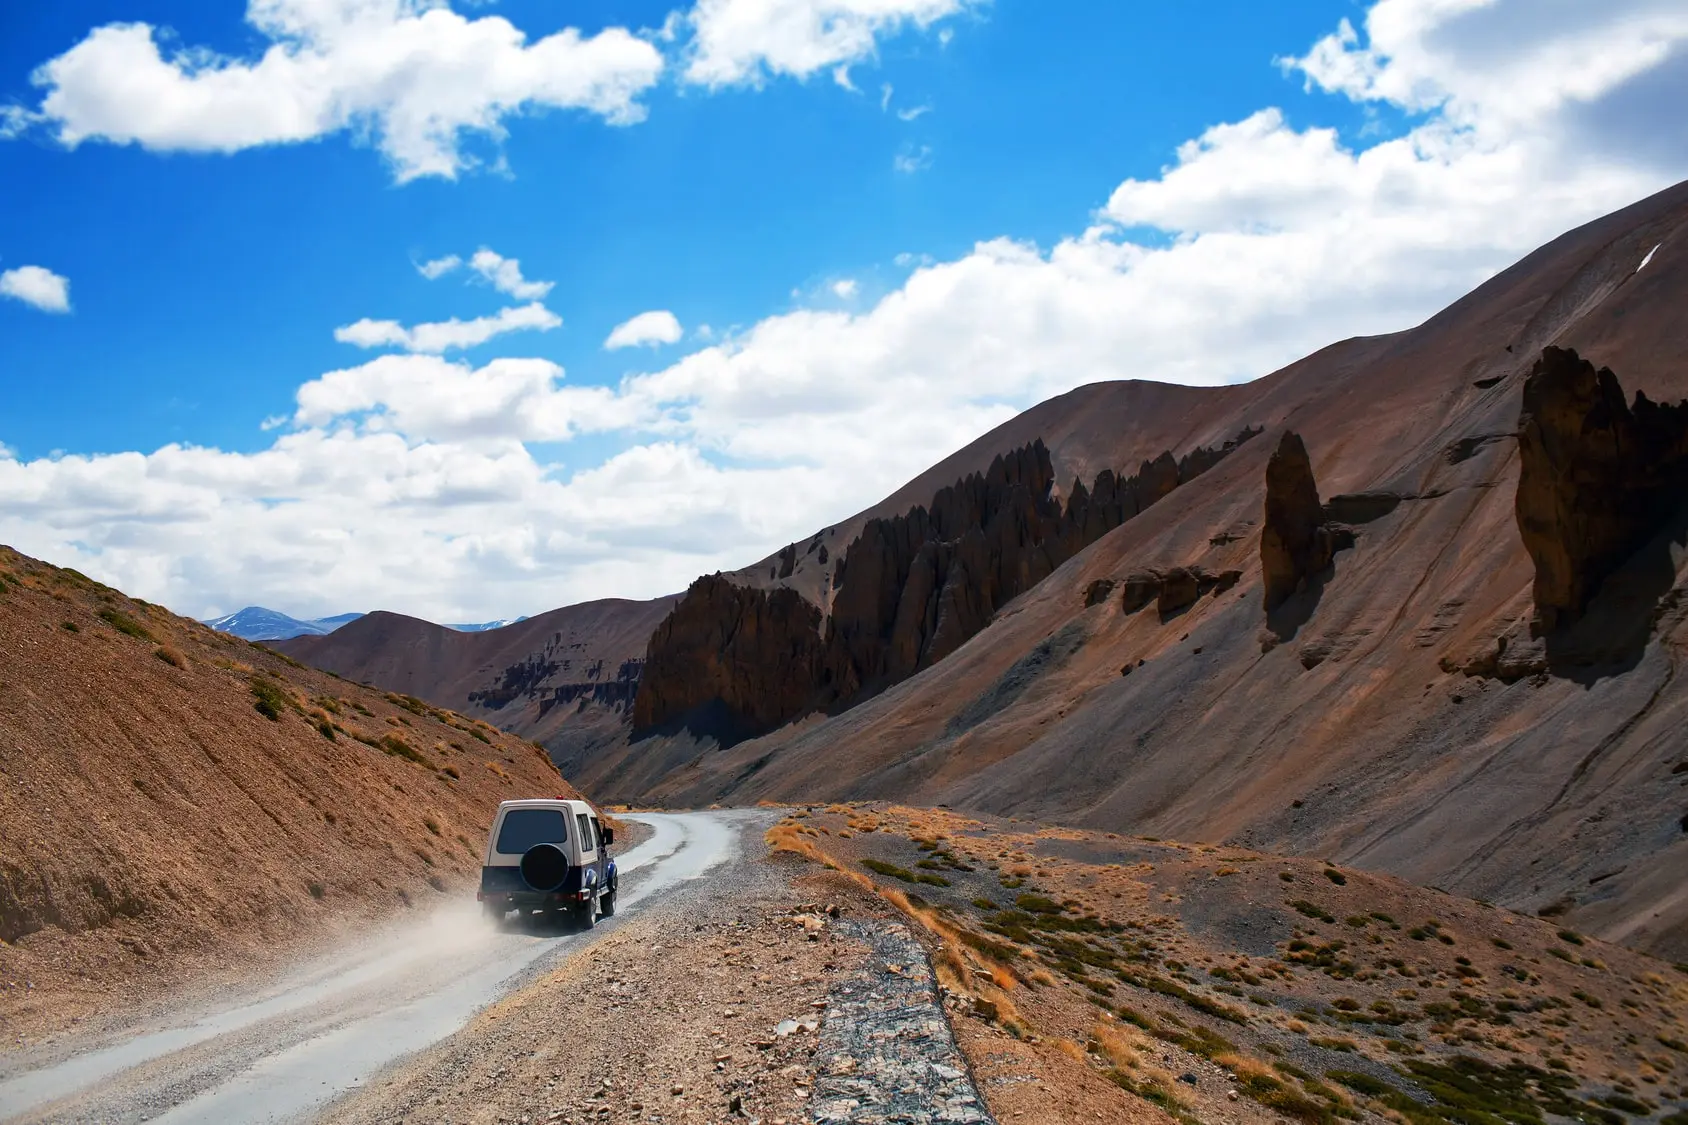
{"type": "Point", "coordinates": [532, 900]}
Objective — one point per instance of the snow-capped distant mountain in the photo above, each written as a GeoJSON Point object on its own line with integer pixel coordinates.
{"type": "Point", "coordinates": [488, 625]}
{"type": "Point", "coordinates": [255, 623]}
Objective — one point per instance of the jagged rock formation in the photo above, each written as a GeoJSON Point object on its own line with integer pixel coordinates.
{"type": "Point", "coordinates": [730, 661]}
{"type": "Point", "coordinates": [1174, 589]}
{"type": "Point", "coordinates": [909, 590]}
{"type": "Point", "coordinates": [1597, 478]}
{"type": "Point", "coordinates": [1296, 542]}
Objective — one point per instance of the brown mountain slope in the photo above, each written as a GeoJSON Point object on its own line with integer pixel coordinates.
{"type": "Point", "coordinates": [173, 798]}
{"type": "Point", "coordinates": [565, 678]}
{"type": "Point", "coordinates": [1343, 733]}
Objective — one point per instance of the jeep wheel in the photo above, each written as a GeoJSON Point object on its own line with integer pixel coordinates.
{"type": "Point", "coordinates": [607, 907]}
{"type": "Point", "coordinates": [586, 914]}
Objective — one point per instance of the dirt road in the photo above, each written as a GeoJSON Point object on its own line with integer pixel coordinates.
{"type": "Point", "coordinates": [284, 1051]}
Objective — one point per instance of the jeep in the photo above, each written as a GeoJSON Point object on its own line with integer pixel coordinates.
{"type": "Point", "coordinates": [549, 857]}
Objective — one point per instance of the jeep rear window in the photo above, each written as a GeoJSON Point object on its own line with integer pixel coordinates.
{"type": "Point", "coordinates": [523, 828]}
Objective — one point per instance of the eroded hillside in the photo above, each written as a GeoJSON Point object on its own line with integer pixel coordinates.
{"type": "Point", "coordinates": [175, 798]}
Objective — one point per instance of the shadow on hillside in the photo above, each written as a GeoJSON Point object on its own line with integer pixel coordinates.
{"type": "Point", "coordinates": [712, 720]}
{"type": "Point", "coordinates": [1611, 636]}
{"type": "Point", "coordinates": [1285, 621]}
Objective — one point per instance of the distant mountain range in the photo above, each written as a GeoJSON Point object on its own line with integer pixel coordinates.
{"type": "Point", "coordinates": [255, 623]}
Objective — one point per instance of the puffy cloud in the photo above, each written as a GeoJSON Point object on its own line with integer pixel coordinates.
{"type": "Point", "coordinates": [414, 483]}
{"type": "Point", "coordinates": [659, 326]}
{"type": "Point", "coordinates": [738, 42]}
{"type": "Point", "coordinates": [505, 275]}
{"type": "Point", "coordinates": [38, 286]}
{"type": "Point", "coordinates": [846, 288]}
{"type": "Point", "coordinates": [412, 73]}
{"type": "Point", "coordinates": [450, 334]}
{"type": "Point", "coordinates": [431, 399]}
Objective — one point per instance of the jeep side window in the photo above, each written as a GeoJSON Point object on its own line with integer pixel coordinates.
{"type": "Point", "coordinates": [586, 842]}
{"type": "Point", "coordinates": [597, 833]}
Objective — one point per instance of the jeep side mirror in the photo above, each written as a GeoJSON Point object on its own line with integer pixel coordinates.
{"type": "Point", "coordinates": [609, 836]}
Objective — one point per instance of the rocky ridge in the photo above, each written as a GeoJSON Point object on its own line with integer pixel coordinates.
{"type": "Point", "coordinates": [734, 662]}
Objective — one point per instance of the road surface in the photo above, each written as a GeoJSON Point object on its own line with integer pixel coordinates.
{"type": "Point", "coordinates": [281, 1054]}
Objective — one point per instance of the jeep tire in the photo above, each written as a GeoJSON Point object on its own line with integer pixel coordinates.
{"type": "Point", "coordinates": [586, 914]}
{"type": "Point", "coordinates": [606, 907]}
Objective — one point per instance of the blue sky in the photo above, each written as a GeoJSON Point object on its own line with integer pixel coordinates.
{"type": "Point", "coordinates": [882, 227]}
{"type": "Point", "coordinates": [206, 287]}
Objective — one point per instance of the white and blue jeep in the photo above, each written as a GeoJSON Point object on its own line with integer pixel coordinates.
{"type": "Point", "coordinates": [549, 857]}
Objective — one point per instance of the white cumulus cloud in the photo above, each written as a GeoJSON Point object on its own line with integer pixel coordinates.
{"type": "Point", "coordinates": [38, 286]}
{"type": "Point", "coordinates": [412, 74]}
{"type": "Point", "coordinates": [505, 275]}
{"type": "Point", "coordinates": [738, 42]}
{"type": "Point", "coordinates": [446, 335]}
{"type": "Point", "coordinates": [648, 329]}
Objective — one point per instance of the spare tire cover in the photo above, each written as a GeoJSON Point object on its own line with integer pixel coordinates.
{"type": "Point", "coordinates": [545, 867]}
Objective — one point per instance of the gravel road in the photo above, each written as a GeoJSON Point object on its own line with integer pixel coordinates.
{"type": "Point", "coordinates": [283, 1052]}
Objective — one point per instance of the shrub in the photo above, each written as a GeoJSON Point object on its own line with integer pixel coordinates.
{"type": "Point", "coordinates": [1334, 1044]}
{"type": "Point", "coordinates": [431, 825]}
{"type": "Point", "coordinates": [890, 870]}
{"type": "Point", "coordinates": [269, 699]}
{"type": "Point", "coordinates": [1336, 876]}
{"type": "Point", "coordinates": [69, 627]}
{"type": "Point", "coordinates": [451, 772]}
{"type": "Point", "coordinates": [1276, 1094]}
{"type": "Point", "coordinates": [326, 729]}
{"type": "Point", "coordinates": [171, 656]}
{"type": "Point", "coordinates": [397, 747]}
{"type": "Point", "coordinates": [1571, 936]}
{"type": "Point", "coordinates": [125, 624]}
{"type": "Point", "coordinates": [317, 889]}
